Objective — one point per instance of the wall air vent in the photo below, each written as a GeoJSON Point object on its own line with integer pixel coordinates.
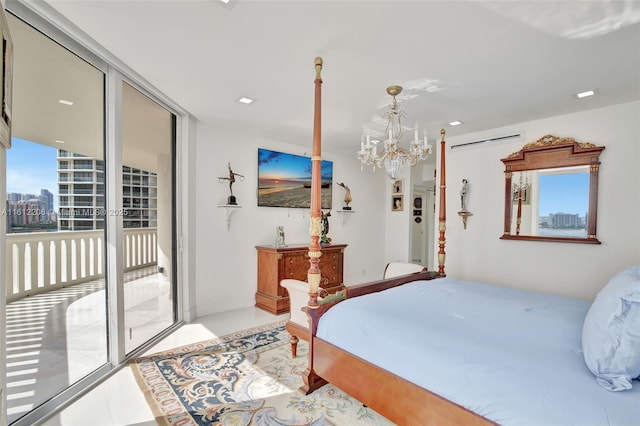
{"type": "Point", "coordinates": [488, 140]}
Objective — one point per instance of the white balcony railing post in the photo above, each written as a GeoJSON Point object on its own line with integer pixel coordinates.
{"type": "Point", "coordinates": [139, 250]}
{"type": "Point", "coordinates": [42, 261]}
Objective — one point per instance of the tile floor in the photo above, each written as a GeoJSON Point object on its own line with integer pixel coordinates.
{"type": "Point", "coordinates": [56, 338]}
{"type": "Point", "coordinates": [119, 402]}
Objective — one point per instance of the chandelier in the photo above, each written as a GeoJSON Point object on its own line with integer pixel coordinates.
{"type": "Point", "coordinates": [393, 156]}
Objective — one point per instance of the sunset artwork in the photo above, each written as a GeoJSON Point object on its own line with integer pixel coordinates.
{"type": "Point", "coordinates": [284, 180]}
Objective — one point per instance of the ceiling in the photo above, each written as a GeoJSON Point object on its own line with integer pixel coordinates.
{"type": "Point", "coordinates": [45, 73]}
{"type": "Point", "coordinates": [488, 64]}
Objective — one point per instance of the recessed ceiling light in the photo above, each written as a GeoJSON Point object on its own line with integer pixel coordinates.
{"type": "Point", "coordinates": [59, 141]}
{"type": "Point", "coordinates": [65, 102]}
{"type": "Point", "coordinates": [585, 94]}
{"type": "Point", "coordinates": [225, 1]}
{"type": "Point", "coordinates": [455, 123]}
{"type": "Point", "coordinates": [245, 100]}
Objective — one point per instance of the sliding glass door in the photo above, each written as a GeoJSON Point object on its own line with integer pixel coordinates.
{"type": "Point", "coordinates": [56, 323]}
{"type": "Point", "coordinates": [85, 190]}
{"type": "Point", "coordinates": [148, 134]}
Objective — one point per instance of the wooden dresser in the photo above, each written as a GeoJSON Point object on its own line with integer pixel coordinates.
{"type": "Point", "coordinates": [292, 261]}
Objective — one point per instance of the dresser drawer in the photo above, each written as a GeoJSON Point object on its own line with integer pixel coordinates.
{"type": "Point", "coordinates": [295, 265]}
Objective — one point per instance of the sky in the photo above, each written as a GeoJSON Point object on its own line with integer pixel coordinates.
{"type": "Point", "coordinates": [564, 193]}
{"type": "Point", "coordinates": [32, 167]}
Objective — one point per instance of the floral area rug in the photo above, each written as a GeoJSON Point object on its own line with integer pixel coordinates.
{"type": "Point", "coordinates": [245, 378]}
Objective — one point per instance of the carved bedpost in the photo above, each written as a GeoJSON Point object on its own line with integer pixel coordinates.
{"type": "Point", "coordinates": [311, 380]}
{"type": "Point", "coordinates": [442, 227]}
{"type": "Point", "coordinates": [315, 227]}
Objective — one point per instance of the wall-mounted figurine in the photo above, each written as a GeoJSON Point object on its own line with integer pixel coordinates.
{"type": "Point", "coordinates": [324, 238]}
{"type": "Point", "coordinates": [231, 200]}
{"type": "Point", "coordinates": [464, 213]}
{"type": "Point", "coordinates": [463, 194]}
{"type": "Point", "coordinates": [347, 196]}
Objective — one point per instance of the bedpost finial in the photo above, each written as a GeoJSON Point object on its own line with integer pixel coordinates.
{"type": "Point", "coordinates": [442, 133]}
{"type": "Point", "coordinates": [318, 63]}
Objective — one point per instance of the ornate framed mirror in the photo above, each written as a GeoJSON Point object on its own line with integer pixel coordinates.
{"type": "Point", "coordinates": [551, 191]}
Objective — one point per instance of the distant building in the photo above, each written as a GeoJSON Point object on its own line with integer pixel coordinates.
{"type": "Point", "coordinates": [565, 220]}
{"type": "Point", "coordinates": [14, 197]}
{"type": "Point", "coordinates": [25, 212]}
{"type": "Point", "coordinates": [81, 194]}
{"type": "Point", "coordinates": [139, 198]}
{"type": "Point", "coordinates": [46, 197]}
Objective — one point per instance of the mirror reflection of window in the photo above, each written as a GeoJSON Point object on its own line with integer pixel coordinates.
{"type": "Point", "coordinates": [552, 202]}
{"type": "Point", "coordinates": [564, 202]}
{"type": "Point", "coordinates": [552, 186]}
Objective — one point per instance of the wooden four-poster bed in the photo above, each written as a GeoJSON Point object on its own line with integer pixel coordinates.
{"type": "Point", "coordinates": [372, 343]}
{"type": "Point", "coordinates": [366, 382]}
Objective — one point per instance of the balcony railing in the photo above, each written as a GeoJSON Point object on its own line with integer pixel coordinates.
{"type": "Point", "coordinates": [42, 261]}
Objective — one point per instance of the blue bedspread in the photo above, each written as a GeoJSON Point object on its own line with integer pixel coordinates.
{"type": "Point", "coordinates": [510, 355]}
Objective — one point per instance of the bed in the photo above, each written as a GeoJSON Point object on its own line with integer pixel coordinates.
{"type": "Point", "coordinates": [511, 356]}
{"type": "Point", "coordinates": [429, 349]}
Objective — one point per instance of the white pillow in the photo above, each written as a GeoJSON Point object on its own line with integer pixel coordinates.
{"type": "Point", "coordinates": [611, 332]}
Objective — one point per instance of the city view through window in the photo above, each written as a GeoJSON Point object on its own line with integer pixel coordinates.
{"type": "Point", "coordinates": [564, 202]}
{"type": "Point", "coordinates": [31, 203]}
{"type": "Point", "coordinates": [51, 189]}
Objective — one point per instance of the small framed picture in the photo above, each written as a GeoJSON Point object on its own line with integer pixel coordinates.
{"type": "Point", "coordinates": [397, 203]}
{"type": "Point", "coordinates": [397, 186]}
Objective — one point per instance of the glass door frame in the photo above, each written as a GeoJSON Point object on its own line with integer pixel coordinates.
{"type": "Point", "coordinates": [49, 22]}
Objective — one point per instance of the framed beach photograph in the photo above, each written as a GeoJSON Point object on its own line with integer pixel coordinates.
{"type": "Point", "coordinates": [397, 203]}
{"type": "Point", "coordinates": [284, 180]}
{"type": "Point", "coordinates": [397, 186]}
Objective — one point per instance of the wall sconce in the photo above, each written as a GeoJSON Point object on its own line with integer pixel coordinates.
{"type": "Point", "coordinates": [464, 213]}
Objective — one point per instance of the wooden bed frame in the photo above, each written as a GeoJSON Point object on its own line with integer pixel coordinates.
{"type": "Point", "coordinates": [395, 398]}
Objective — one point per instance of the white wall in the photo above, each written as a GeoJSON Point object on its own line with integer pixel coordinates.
{"type": "Point", "coordinates": [226, 261]}
{"type": "Point", "coordinates": [578, 270]}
